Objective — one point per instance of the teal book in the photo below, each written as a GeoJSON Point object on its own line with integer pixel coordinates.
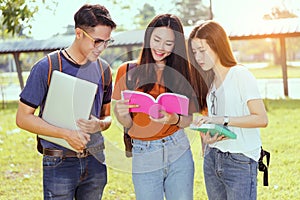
{"type": "Point", "coordinates": [213, 129]}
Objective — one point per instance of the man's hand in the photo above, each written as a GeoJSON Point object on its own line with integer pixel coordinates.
{"type": "Point", "coordinates": [94, 124]}
{"type": "Point", "coordinates": [78, 139]}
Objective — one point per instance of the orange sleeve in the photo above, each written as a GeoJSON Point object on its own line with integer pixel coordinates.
{"type": "Point", "coordinates": [120, 82]}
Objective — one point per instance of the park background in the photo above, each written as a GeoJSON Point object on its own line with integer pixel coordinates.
{"type": "Point", "coordinates": [20, 164]}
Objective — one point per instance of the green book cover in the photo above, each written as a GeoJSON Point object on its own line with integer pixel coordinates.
{"type": "Point", "coordinates": [213, 129]}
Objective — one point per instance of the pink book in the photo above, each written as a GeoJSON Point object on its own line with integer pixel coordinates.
{"type": "Point", "coordinates": [169, 102]}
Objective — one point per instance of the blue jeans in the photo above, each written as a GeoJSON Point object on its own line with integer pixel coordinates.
{"type": "Point", "coordinates": [163, 167]}
{"type": "Point", "coordinates": [230, 176]}
{"type": "Point", "coordinates": [69, 178]}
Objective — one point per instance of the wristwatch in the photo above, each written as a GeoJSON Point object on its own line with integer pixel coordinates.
{"type": "Point", "coordinates": [225, 120]}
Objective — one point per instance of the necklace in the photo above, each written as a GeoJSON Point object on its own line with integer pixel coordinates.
{"type": "Point", "coordinates": [71, 57]}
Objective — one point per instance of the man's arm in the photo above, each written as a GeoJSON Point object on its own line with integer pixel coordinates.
{"type": "Point", "coordinates": [94, 124]}
{"type": "Point", "coordinates": [105, 118]}
{"type": "Point", "coordinates": [26, 120]}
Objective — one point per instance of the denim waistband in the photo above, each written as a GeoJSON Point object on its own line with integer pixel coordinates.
{"type": "Point", "coordinates": [174, 138]}
{"type": "Point", "coordinates": [217, 151]}
{"type": "Point", "coordinates": [156, 154]}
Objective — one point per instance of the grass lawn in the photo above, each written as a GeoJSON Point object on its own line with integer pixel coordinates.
{"type": "Point", "coordinates": [20, 164]}
{"type": "Point", "coordinates": [275, 72]}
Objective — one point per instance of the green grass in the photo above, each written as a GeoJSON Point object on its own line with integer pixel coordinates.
{"type": "Point", "coordinates": [21, 175]}
{"type": "Point", "coordinates": [275, 72]}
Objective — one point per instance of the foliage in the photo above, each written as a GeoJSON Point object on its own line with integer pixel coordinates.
{"type": "Point", "coordinates": [116, 56]}
{"type": "Point", "coordinates": [16, 15]}
{"type": "Point", "coordinates": [21, 175]}
{"type": "Point", "coordinates": [279, 13]}
{"type": "Point", "coordinates": [191, 11]}
{"type": "Point", "coordinates": [260, 50]}
{"type": "Point", "coordinates": [145, 15]}
{"type": "Point", "coordinates": [252, 50]}
{"type": "Point", "coordinates": [292, 47]}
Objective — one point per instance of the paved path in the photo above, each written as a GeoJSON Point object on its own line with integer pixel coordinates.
{"type": "Point", "coordinates": [269, 88]}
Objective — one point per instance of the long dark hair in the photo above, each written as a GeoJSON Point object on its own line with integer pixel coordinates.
{"type": "Point", "coordinates": [176, 72]}
{"type": "Point", "coordinates": [218, 41]}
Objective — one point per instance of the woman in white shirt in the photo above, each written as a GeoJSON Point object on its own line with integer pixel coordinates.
{"type": "Point", "coordinates": [232, 99]}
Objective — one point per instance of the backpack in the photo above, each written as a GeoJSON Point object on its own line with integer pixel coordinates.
{"type": "Point", "coordinates": [262, 167]}
{"type": "Point", "coordinates": [55, 63]}
{"type": "Point", "coordinates": [54, 60]}
{"type": "Point", "coordinates": [129, 85]}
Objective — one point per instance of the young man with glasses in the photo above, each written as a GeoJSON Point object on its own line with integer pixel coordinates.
{"type": "Point", "coordinates": [99, 42]}
{"type": "Point", "coordinates": [67, 174]}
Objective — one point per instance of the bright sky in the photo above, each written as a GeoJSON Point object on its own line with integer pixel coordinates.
{"type": "Point", "coordinates": [47, 24]}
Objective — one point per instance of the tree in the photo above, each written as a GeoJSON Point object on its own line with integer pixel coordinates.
{"type": "Point", "coordinates": [145, 16]}
{"type": "Point", "coordinates": [192, 11]}
{"type": "Point", "coordinates": [278, 12]}
{"type": "Point", "coordinates": [17, 14]}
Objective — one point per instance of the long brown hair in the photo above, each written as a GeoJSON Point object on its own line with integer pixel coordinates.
{"type": "Point", "coordinates": [176, 72]}
{"type": "Point", "coordinates": [218, 41]}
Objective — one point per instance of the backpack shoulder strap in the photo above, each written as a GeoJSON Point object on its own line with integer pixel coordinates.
{"type": "Point", "coordinates": [54, 60]}
{"type": "Point", "coordinates": [55, 63]}
{"type": "Point", "coordinates": [105, 74]}
{"type": "Point", "coordinates": [131, 66]}
{"type": "Point", "coordinates": [129, 72]}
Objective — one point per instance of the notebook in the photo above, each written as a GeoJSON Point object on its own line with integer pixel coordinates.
{"type": "Point", "coordinates": [69, 98]}
{"type": "Point", "coordinates": [213, 129]}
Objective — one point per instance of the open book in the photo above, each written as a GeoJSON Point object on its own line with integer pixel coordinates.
{"type": "Point", "coordinates": [169, 102]}
{"type": "Point", "coordinates": [213, 129]}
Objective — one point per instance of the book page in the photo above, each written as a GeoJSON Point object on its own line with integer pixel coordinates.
{"type": "Point", "coordinates": [145, 101]}
{"type": "Point", "coordinates": [169, 102]}
{"type": "Point", "coordinates": [174, 103]}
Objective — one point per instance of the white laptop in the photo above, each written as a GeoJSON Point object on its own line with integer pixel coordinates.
{"type": "Point", "coordinates": [68, 99]}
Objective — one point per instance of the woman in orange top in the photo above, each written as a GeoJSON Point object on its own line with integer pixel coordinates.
{"type": "Point", "coordinates": [162, 163]}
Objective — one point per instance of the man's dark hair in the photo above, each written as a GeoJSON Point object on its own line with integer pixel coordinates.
{"type": "Point", "coordinates": [93, 15]}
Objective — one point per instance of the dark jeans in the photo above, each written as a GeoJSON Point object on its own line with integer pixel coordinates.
{"type": "Point", "coordinates": [69, 178]}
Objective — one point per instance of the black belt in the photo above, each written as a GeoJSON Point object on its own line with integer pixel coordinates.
{"type": "Point", "coordinates": [66, 154]}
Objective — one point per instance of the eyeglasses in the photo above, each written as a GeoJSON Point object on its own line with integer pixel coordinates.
{"type": "Point", "coordinates": [98, 42]}
{"type": "Point", "coordinates": [213, 99]}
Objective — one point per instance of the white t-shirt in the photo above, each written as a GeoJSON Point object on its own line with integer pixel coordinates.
{"type": "Point", "coordinates": [232, 96]}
